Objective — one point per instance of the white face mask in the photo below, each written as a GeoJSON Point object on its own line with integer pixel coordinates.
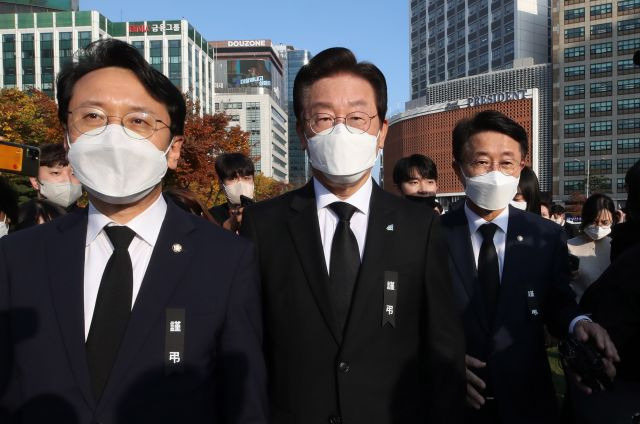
{"type": "Point", "coordinates": [62, 194]}
{"type": "Point", "coordinates": [116, 168]}
{"type": "Point", "coordinates": [522, 205]}
{"type": "Point", "coordinates": [4, 228]}
{"type": "Point", "coordinates": [240, 188]}
{"type": "Point", "coordinates": [597, 233]}
{"type": "Point", "coordinates": [343, 157]}
{"type": "Point", "coordinates": [558, 221]}
{"type": "Point", "coordinates": [492, 191]}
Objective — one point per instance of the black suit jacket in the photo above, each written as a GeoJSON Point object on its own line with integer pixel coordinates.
{"type": "Point", "coordinates": [407, 373]}
{"type": "Point", "coordinates": [213, 278]}
{"type": "Point", "coordinates": [513, 347]}
{"type": "Point", "coordinates": [220, 213]}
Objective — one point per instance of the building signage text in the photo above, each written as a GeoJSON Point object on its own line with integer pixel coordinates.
{"type": "Point", "coordinates": [247, 43]}
{"type": "Point", "coordinates": [496, 98]}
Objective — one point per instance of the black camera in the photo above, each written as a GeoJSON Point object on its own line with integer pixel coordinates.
{"type": "Point", "coordinates": [584, 360]}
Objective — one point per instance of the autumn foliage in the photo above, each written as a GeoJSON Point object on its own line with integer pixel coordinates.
{"type": "Point", "coordinates": [29, 117]}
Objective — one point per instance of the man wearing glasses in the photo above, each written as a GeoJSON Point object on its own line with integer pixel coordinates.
{"type": "Point", "coordinates": [131, 311]}
{"type": "Point", "coordinates": [510, 277]}
{"type": "Point", "coordinates": [360, 325]}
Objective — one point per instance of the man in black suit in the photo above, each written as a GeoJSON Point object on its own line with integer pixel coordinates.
{"type": "Point", "coordinates": [359, 319]}
{"type": "Point", "coordinates": [510, 277]}
{"type": "Point", "coordinates": [131, 311]}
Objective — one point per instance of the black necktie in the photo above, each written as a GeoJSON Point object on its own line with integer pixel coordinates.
{"type": "Point", "coordinates": [344, 263]}
{"type": "Point", "coordinates": [112, 310]}
{"type": "Point", "coordinates": [489, 269]}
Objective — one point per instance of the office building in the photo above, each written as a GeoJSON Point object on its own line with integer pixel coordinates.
{"type": "Point", "coordinates": [596, 96]}
{"type": "Point", "coordinates": [35, 45]}
{"type": "Point", "coordinates": [30, 6]}
{"type": "Point", "coordinates": [461, 38]}
{"type": "Point", "coordinates": [249, 87]}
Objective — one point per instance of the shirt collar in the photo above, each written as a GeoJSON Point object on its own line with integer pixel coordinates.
{"type": "Point", "coordinates": [360, 199]}
{"type": "Point", "coordinates": [475, 220]}
{"type": "Point", "coordinates": [146, 225]}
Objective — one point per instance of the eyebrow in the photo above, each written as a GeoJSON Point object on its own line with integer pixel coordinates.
{"type": "Point", "coordinates": [101, 105]}
{"type": "Point", "coordinates": [359, 102]}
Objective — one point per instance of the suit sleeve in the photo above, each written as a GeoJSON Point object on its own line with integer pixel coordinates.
{"type": "Point", "coordinates": [242, 367]}
{"type": "Point", "coordinates": [561, 306]}
{"type": "Point", "coordinates": [445, 336]}
{"type": "Point", "coordinates": [6, 350]}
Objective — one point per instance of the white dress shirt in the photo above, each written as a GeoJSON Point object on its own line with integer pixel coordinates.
{"type": "Point", "coordinates": [98, 249]}
{"type": "Point", "coordinates": [499, 241]}
{"type": "Point", "coordinates": [328, 219]}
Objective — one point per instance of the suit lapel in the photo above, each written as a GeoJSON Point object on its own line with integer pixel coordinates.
{"type": "Point", "coordinates": [305, 232]}
{"type": "Point", "coordinates": [65, 264]}
{"type": "Point", "coordinates": [461, 253]}
{"type": "Point", "coordinates": [164, 273]}
{"type": "Point", "coordinates": [370, 277]}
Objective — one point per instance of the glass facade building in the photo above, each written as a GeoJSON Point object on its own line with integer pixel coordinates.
{"type": "Point", "coordinates": [596, 96]}
{"type": "Point", "coordinates": [299, 171]}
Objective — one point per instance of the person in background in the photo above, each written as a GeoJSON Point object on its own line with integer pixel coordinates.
{"type": "Point", "coordinates": [558, 215]}
{"type": "Point", "coordinates": [235, 176]}
{"type": "Point", "coordinates": [593, 246]}
{"type": "Point", "coordinates": [544, 210]}
{"type": "Point", "coordinates": [626, 234]}
{"type": "Point", "coordinates": [8, 206]}
{"type": "Point", "coordinates": [188, 201]}
{"type": "Point", "coordinates": [528, 196]}
{"type": "Point", "coordinates": [55, 181]}
{"type": "Point", "coordinates": [38, 211]}
{"type": "Point", "coordinates": [416, 175]}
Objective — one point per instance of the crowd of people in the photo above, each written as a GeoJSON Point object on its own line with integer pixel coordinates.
{"type": "Point", "coordinates": [337, 302]}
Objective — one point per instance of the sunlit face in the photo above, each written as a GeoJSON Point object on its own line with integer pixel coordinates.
{"type": "Point", "coordinates": [56, 174]}
{"type": "Point", "coordinates": [237, 179]}
{"type": "Point", "coordinates": [418, 185]}
{"type": "Point", "coordinates": [491, 151]}
{"type": "Point", "coordinates": [544, 211]}
{"type": "Point", "coordinates": [117, 91]}
{"type": "Point", "coordinates": [604, 219]}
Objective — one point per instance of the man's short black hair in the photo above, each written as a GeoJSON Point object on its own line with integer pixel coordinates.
{"type": "Point", "coordinates": [488, 120]}
{"type": "Point", "coordinates": [557, 209]}
{"type": "Point", "coordinates": [111, 52]}
{"type": "Point", "coordinates": [231, 165]}
{"type": "Point", "coordinates": [632, 182]}
{"type": "Point", "coordinates": [335, 61]}
{"type": "Point", "coordinates": [53, 155]}
{"type": "Point", "coordinates": [424, 166]}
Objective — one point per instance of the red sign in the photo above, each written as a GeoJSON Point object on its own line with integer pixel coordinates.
{"type": "Point", "coordinates": [137, 28]}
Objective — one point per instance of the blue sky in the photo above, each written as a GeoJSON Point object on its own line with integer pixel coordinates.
{"type": "Point", "coordinates": [376, 30]}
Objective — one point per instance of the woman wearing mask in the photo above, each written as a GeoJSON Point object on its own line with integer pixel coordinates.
{"type": "Point", "coordinates": [593, 246]}
{"type": "Point", "coordinates": [235, 176]}
{"type": "Point", "coordinates": [528, 196]}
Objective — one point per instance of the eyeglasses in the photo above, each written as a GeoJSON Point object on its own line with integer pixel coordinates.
{"type": "Point", "coordinates": [483, 166]}
{"type": "Point", "coordinates": [356, 122]}
{"type": "Point", "coordinates": [93, 121]}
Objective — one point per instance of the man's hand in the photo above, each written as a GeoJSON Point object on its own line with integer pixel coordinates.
{"type": "Point", "coordinates": [474, 383]}
{"type": "Point", "coordinates": [234, 220]}
{"type": "Point", "coordinates": [586, 330]}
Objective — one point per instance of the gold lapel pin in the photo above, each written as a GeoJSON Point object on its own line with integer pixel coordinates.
{"type": "Point", "coordinates": [177, 248]}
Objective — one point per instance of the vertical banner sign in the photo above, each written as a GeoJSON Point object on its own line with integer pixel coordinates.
{"type": "Point", "coordinates": [174, 341]}
{"type": "Point", "coordinates": [390, 308]}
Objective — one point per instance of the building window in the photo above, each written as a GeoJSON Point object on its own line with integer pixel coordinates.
{"type": "Point", "coordinates": [599, 70]}
{"type": "Point", "coordinates": [628, 46]}
{"type": "Point", "coordinates": [620, 185]}
{"type": "Point", "coordinates": [630, 26]}
{"type": "Point", "coordinates": [599, 89]}
{"type": "Point", "coordinates": [46, 63]}
{"type": "Point", "coordinates": [601, 11]}
{"type": "Point", "coordinates": [573, 186]}
{"type": "Point", "coordinates": [628, 145]}
{"type": "Point", "coordinates": [570, 2]}
{"type": "Point", "coordinates": [626, 66]}
{"type": "Point", "coordinates": [572, 73]}
{"type": "Point", "coordinates": [601, 50]}
{"type": "Point", "coordinates": [155, 54]}
{"type": "Point", "coordinates": [574, 111]}
{"type": "Point", "coordinates": [625, 163]}
{"type": "Point", "coordinates": [65, 47]}
{"type": "Point", "coordinates": [574, 167]}
{"type": "Point", "coordinates": [574, 130]}
{"type": "Point", "coordinates": [573, 54]}
{"type": "Point", "coordinates": [574, 92]}
{"type": "Point", "coordinates": [600, 185]}
{"type": "Point", "coordinates": [234, 105]}
{"type": "Point", "coordinates": [600, 166]}
{"type": "Point", "coordinates": [627, 7]}
{"type": "Point", "coordinates": [601, 128]}
{"type": "Point", "coordinates": [601, 30]}
{"type": "Point", "coordinates": [28, 61]}
{"type": "Point", "coordinates": [600, 147]}
{"type": "Point", "coordinates": [84, 39]}
{"type": "Point", "coordinates": [574, 149]}
{"type": "Point", "coordinates": [9, 60]}
{"type": "Point", "coordinates": [628, 106]}
{"type": "Point", "coordinates": [601, 108]}
{"type": "Point", "coordinates": [574, 34]}
{"type": "Point", "coordinates": [139, 45]}
{"type": "Point", "coordinates": [574, 15]}
{"type": "Point", "coordinates": [175, 63]}
{"type": "Point", "coordinates": [626, 126]}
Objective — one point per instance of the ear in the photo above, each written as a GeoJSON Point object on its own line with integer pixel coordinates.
{"type": "Point", "coordinates": [34, 183]}
{"type": "Point", "coordinates": [458, 171]}
{"type": "Point", "coordinates": [174, 152]}
{"type": "Point", "coordinates": [383, 134]}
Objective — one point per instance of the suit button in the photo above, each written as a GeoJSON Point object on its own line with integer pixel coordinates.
{"type": "Point", "coordinates": [343, 367]}
{"type": "Point", "coordinates": [335, 420]}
